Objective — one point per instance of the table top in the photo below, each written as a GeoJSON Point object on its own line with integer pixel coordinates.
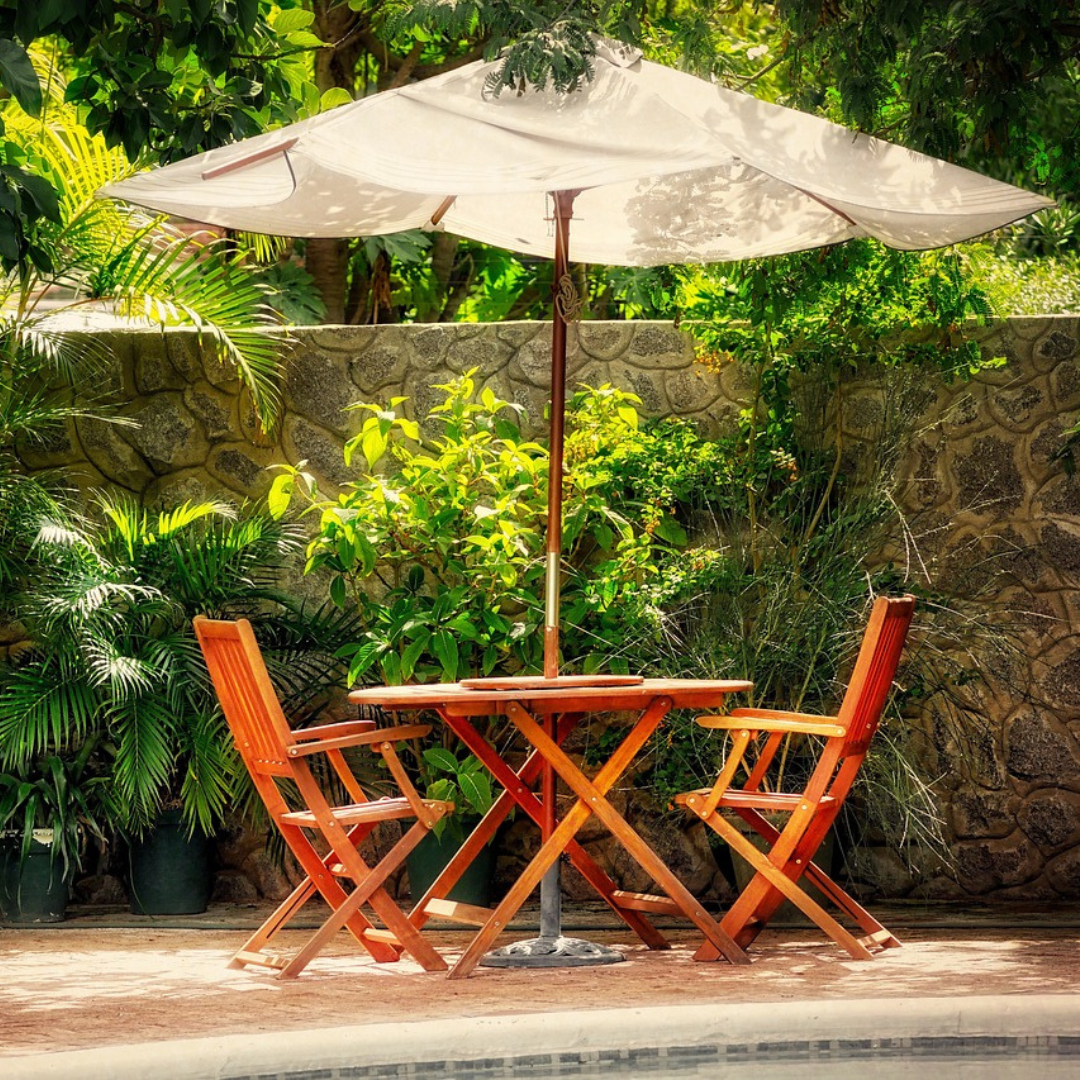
{"type": "Point", "coordinates": [544, 696]}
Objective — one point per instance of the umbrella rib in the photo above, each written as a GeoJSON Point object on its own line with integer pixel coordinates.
{"type": "Point", "coordinates": [251, 159]}
{"type": "Point", "coordinates": [828, 206]}
{"type": "Point", "coordinates": [441, 212]}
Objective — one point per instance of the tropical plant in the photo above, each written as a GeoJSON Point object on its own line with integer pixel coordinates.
{"type": "Point", "coordinates": [114, 656]}
{"type": "Point", "coordinates": [66, 796]}
{"type": "Point", "coordinates": [458, 780]}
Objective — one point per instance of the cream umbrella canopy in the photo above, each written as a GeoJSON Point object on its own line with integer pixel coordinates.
{"type": "Point", "coordinates": [654, 166]}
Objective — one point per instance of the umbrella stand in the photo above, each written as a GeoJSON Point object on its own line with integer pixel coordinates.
{"type": "Point", "coordinates": [551, 949]}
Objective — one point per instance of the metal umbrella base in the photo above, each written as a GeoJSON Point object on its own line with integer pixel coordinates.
{"type": "Point", "coordinates": [551, 949]}
{"type": "Point", "coordinates": [539, 952]}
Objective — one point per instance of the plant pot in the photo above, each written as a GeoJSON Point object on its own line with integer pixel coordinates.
{"type": "Point", "coordinates": [34, 889]}
{"type": "Point", "coordinates": [170, 870]}
{"type": "Point", "coordinates": [787, 912]}
{"type": "Point", "coordinates": [427, 860]}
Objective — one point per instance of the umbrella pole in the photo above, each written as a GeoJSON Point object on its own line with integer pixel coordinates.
{"type": "Point", "coordinates": [551, 949]}
{"type": "Point", "coordinates": [551, 885]}
{"type": "Point", "coordinates": [564, 204]}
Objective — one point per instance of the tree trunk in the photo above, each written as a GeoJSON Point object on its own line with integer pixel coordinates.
{"type": "Point", "coordinates": [328, 259]}
{"type": "Point", "coordinates": [327, 262]}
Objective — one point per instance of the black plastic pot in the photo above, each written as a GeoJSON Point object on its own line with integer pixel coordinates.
{"type": "Point", "coordinates": [34, 889]}
{"type": "Point", "coordinates": [170, 870]}
{"type": "Point", "coordinates": [426, 861]}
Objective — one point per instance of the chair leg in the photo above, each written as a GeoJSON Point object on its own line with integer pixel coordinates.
{"type": "Point", "coordinates": [771, 877]}
{"type": "Point", "coordinates": [370, 890]}
{"type": "Point", "coordinates": [874, 930]}
{"type": "Point", "coordinates": [332, 893]}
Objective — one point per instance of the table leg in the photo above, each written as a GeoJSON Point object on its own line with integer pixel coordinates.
{"type": "Point", "coordinates": [591, 798]}
{"type": "Point", "coordinates": [516, 785]}
{"type": "Point", "coordinates": [592, 802]}
{"type": "Point", "coordinates": [551, 948]}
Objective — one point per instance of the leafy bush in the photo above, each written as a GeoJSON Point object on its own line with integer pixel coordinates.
{"type": "Point", "coordinates": [441, 554]}
{"type": "Point", "coordinates": [114, 658]}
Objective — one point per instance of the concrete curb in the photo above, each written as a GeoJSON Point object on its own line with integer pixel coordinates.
{"type": "Point", "coordinates": [748, 1030]}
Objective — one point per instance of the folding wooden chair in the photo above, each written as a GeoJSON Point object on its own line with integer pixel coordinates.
{"type": "Point", "coordinates": [276, 757]}
{"type": "Point", "coordinates": [812, 811]}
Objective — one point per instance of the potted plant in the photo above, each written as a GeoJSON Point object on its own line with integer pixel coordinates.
{"type": "Point", "coordinates": [109, 614]}
{"type": "Point", "coordinates": [48, 809]}
{"type": "Point", "coordinates": [465, 783]}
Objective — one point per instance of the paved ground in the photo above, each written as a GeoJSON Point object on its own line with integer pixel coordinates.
{"type": "Point", "coordinates": [106, 978]}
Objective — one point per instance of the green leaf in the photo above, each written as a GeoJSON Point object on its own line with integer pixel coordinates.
{"type": "Point", "coordinates": [440, 758]}
{"type": "Point", "coordinates": [285, 22]}
{"type": "Point", "coordinates": [304, 39]}
{"type": "Point", "coordinates": [476, 790]}
{"type": "Point", "coordinates": [332, 98]}
{"type": "Point", "coordinates": [445, 648]}
{"type": "Point", "coordinates": [338, 592]}
{"type": "Point", "coordinates": [18, 76]}
{"type": "Point", "coordinates": [280, 495]}
{"type": "Point", "coordinates": [667, 528]}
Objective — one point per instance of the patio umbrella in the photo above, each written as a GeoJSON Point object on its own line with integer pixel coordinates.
{"type": "Point", "coordinates": [655, 166]}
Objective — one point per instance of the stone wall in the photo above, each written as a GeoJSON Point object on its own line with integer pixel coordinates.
{"type": "Point", "coordinates": [996, 504]}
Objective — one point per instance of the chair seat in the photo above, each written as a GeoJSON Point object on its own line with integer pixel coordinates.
{"type": "Point", "coordinates": [358, 813]}
{"type": "Point", "coordinates": [755, 800]}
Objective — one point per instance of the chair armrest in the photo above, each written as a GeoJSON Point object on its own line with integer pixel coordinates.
{"type": "Point", "coordinates": [361, 738]}
{"type": "Point", "coordinates": [774, 720]}
{"type": "Point", "coordinates": [334, 731]}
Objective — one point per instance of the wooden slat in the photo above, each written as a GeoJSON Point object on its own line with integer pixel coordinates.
{"type": "Point", "coordinates": [469, 914]}
{"type": "Point", "coordinates": [633, 901]}
{"type": "Point", "coordinates": [270, 960]}
{"type": "Point", "coordinates": [381, 935]}
{"type": "Point", "coordinates": [882, 938]}
{"type": "Point", "coordinates": [378, 810]}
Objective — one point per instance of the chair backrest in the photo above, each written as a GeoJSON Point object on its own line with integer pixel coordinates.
{"type": "Point", "coordinates": [875, 668]}
{"type": "Point", "coordinates": [247, 695]}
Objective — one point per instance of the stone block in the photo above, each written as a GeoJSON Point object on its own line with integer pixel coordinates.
{"type": "Point", "coordinates": [348, 340]}
{"type": "Point", "coordinates": [1051, 819]}
{"type": "Point", "coordinates": [1040, 750]}
{"type": "Point", "coordinates": [379, 368]}
{"type": "Point", "coordinates": [485, 354]}
{"type": "Point", "coordinates": [214, 409]}
{"type": "Point", "coordinates": [303, 440]}
{"type": "Point", "coordinates": [233, 887]}
{"type": "Point", "coordinates": [1017, 409]}
{"type": "Point", "coordinates": [166, 435]}
{"type": "Point", "coordinates": [318, 388]}
{"type": "Point", "coordinates": [692, 390]}
{"type": "Point", "coordinates": [980, 815]}
{"type": "Point", "coordinates": [988, 481]}
{"type": "Point", "coordinates": [243, 468]}
{"type": "Point", "coordinates": [117, 459]}
{"type": "Point", "coordinates": [656, 345]}
{"type": "Point", "coordinates": [153, 368]}
{"type": "Point", "coordinates": [176, 488]}
{"type": "Point", "coordinates": [982, 866]}
{"type": "Point", "coordinates": [185, 348]}
{"type": "Point", "coordinates": [648, 385]}
{"type": "Point", "coordinates": [1057, 344]}
{"type": "Point", "coordinates": [603, 340]}
{"type": "Point", "coordinates": [515, 334]}
{"type": "Point", "coordinates": [1063, 873]}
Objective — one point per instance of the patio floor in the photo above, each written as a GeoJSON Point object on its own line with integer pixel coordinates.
{"type": "Point", "coordinates": [104, 977]}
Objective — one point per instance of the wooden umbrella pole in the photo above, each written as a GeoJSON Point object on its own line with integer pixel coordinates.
{"type": "Point", "coordinates": [564, 203]}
